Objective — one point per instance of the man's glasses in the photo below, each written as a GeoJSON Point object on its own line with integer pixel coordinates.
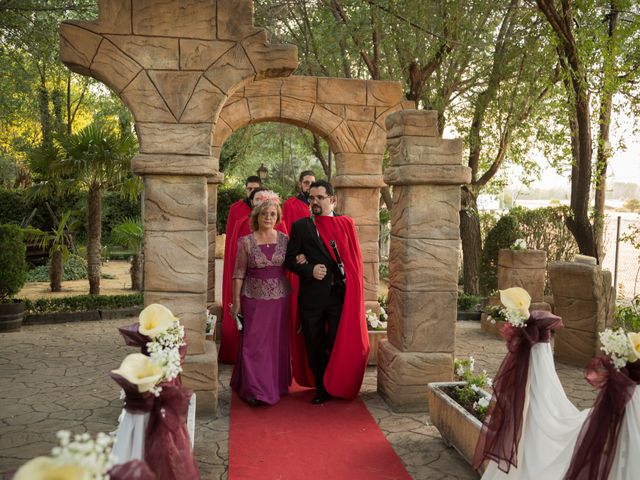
{"type": "Point", "coordinates": [318, 198]}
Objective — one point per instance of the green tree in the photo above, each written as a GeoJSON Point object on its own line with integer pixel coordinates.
{"type": "Point", "coordinates": [95, 159]}
{"type": "Point", "coordinates": [130, 234]}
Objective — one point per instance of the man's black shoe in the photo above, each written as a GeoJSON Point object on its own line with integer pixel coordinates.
{"type": "Point", "coordinates": [320, 398]}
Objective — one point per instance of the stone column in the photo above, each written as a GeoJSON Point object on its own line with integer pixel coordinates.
{"type": "Point", "coordinates": [358, 186]}
{"type": "Point", "coordinates": [585, 299]}
{"type": "Point", "coordinates": [175, 246]}
{"type": "Point", "coordinates": [426, 173]}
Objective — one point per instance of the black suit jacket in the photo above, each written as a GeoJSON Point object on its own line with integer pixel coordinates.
{"type": "Point", "coordinates": [303, 238]}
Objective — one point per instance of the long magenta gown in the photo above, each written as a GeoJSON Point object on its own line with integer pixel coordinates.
{"type": "Point", "coordinates": [262, 370]}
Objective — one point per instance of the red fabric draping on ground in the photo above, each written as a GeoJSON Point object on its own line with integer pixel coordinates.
{"type": "Point", "coordinates": [294, 439]}
{"type": "Point", "coordinates": [348, 361]}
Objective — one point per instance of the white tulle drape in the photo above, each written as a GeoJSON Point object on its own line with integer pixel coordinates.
{"type": "Point", "coordinates": [552, 425]}
{"type": "Point", "coordinates": [129, 442]}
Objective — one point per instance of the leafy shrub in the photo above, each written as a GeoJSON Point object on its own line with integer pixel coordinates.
{"type": "Point", "coordinates": [383, 269]}
{"type": "Point", "coordinates": [545, 229]}
{"type": "Point", "coordinates": [627, 317]}
{"type": "Point", "coordinates": [116, 209]}
{"type": "Point", "coordinates": [75, 268]}
{"type": "Point", "coordinates": [468, 302]}
{"type": "Point", "coordinates": [81, 303]}
{"type": "Point", "coordinates": [502, 235]}
{"type": "Point", "coordinates": [13, 206]}
{"type": "Point", "coordinates": [227, 195]}
{"type": "Point", "coordinates": [13, 266]}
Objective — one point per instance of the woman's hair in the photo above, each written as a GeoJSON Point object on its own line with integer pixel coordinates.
{"type": "Point", "coordinates": [253, 220]}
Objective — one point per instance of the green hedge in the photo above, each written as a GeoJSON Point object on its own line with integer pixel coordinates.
{"type": "Point", "coordinates": [83, 302]}
{"type": "Point", "coordinates": [227, 195]}
{"type": "Point", "coordinates": [75, 268]}
{"type": "Point", "coordinates": [502, 235]}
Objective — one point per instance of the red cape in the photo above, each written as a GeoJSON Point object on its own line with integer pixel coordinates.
{"type": "Point", "coordinates": [348, 361]}
{"type": "Point", "coordinates": [229, 331]}
{"type": "Point", "coordinates": [292, 210]}
{"type": "Point", "coordinates": [238, 211]}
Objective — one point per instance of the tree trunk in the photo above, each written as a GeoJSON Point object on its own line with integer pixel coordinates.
{"type": "Point", "coordinates": [94, 233]}
{"type": "Point", "coordinates": [471, 242]}
{"type": "Point", "coordinates": [602, 160]}
{"type": "Point", "coordinates": [56, 271]}
{"type": "Point", "coordinates": [136, 272]}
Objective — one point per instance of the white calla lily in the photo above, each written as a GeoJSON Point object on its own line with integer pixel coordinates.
{"type": "Point", "coordinates": [634, 345]}
{"type": "Point", "coordinates": [139, 370]}
{"type": "Point", "coordinates": [516, 298]}
{"type": "Point", "coordinates": [47, 468]}
{"type": "Point", "coordinates": [155, 319]}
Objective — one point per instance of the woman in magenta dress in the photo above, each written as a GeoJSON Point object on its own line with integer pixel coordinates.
{"type": "Point", "coordinates": [262, 372]}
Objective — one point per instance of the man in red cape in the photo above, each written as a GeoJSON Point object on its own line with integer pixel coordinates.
{"type": "Point", "coordinates": [239, 210]}
{"type": "Point", "coordinates": [331, 296]}
{"type": "Point", "coordinates": [293, 210]}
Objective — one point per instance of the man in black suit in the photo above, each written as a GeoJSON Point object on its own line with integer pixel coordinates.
{"type": "Point", "coordinates": [322, 287]}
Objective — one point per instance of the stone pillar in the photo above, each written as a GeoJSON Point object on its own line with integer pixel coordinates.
{"type": "Point", "coordinates": [212, 233]}
{"type": "Point", "coordinates": [426, 172]}
{"type": "Point", "coordinates": [585, 299]}
{"type": "Point", "coordinates": [358, 186]}
{"type": "Point", "coordinates": [519, 268]}
{"type": "Point", "coordinates": [175, 246]}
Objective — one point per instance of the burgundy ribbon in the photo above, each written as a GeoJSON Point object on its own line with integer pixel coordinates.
{"type": "Point", "coordinates": [598, 439]}
{"type": "Point", "coordinates": [133, 470]}
{"type": "Point", "coordinates": [133, 337]}
{"type": "Point", "coordinates": [502, 426]}
{"type": "Point", "coordinates": [167, 443]}
{"type": "Point", "coordinates": [134, 401]}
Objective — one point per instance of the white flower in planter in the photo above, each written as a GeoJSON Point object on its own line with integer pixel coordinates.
{"type": "Point", "coordinates": [519, 244]}
{"type": "Point", "coordinates": [140, 370]}
{"type": "Point", "coordinates": [155, 319]}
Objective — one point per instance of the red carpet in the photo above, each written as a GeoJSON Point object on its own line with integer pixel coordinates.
{"type": "Point", "coordinates": [300, 441]}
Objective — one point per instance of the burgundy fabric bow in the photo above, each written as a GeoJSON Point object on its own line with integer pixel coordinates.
{"type": "Point", "coordinates": [134, 401]}
{"type": "Point", "coordinates": [596, 446]}
{"type": "Point", "coordinates": [167, 443]}
{"type": "Point", "coordinates": [133, 470]}
{"type": "Point", "coordinates": [502, 426]}
{"type": "Point", "coordinates": [133, 337]}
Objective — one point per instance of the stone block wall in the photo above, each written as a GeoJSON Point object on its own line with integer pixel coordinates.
{"type": "Point", "coordinates": [585, 299]}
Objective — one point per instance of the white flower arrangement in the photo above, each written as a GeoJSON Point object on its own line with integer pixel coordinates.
{"type": "Point", "coordinates": [164, 351]}
{"type": "Point", "coordinates": [377, 321]}
{"type": "Point", "coordinates": [80, 459]}
{"type": "Point", "coordinates": [519, 244]}
{"type": "Point", "coordinates": [516, 301]}
{"type": "Point", "coordinates": [621, 347]}
{"type": "Point", "coordinates": [470, 393]}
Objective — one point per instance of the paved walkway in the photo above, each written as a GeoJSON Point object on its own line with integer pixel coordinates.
{"type": "Point", "coordinates": [55, 377]}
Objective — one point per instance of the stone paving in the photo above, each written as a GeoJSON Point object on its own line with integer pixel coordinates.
{"type": "Point", "coordinates": [55, 377]}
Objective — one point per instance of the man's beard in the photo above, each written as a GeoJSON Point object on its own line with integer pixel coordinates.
{"type": "Point", "coordinates": [316, 209]}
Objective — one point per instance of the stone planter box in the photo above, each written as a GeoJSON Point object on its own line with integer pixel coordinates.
{"type": "Point", "coordinates": [457, 427]}
{"type": "Point", "coordinates": [375, 337]}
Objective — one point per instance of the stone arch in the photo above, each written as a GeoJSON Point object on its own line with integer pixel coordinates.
{"type": "Point", "coordinates": [350, 115]}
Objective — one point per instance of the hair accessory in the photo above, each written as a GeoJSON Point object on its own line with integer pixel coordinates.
{"type": "Point", "coordinates": [264, 196]}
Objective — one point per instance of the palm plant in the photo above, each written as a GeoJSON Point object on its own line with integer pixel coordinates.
{"type": "Point", "coordinates": [98, 158]}
{"type": "Point", "coordinates": [130, 234]}
{"type": "Point", "coordinates": [59, 243]}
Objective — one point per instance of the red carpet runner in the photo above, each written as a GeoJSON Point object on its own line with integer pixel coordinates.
{"type": "Point", "coordinates": [300, 441]}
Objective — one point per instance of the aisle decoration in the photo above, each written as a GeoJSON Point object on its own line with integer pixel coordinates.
{"type": "Point", "coordinates": [502, 427]}
{"type": "Point", "coordinates": [153, 425]}
{"type": "Point", "coordinates": [617, 375]}
{"type": "Point", "coordinates": [82, 458]}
